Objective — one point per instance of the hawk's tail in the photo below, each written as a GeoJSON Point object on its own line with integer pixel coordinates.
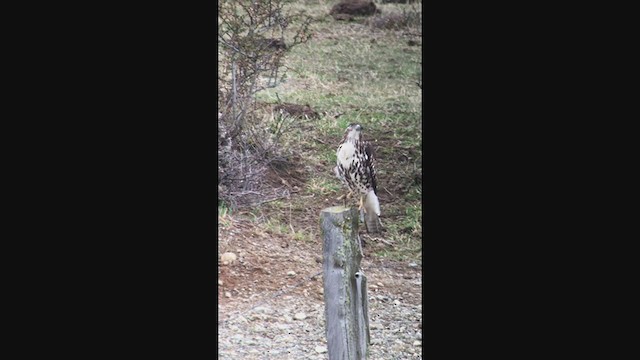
{"type": "Point", "coordinates": [372, 213]}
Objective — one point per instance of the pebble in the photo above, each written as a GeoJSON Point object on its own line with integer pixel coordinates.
{"type": "Point", "coordinates": [396, 302]}
{"type": "Point", "coordinates": [417, 343]}
{"type": "Point", "coordinates": [300, 316]}
{"type": "Point", "coordinates": [258, 328]}
{"type": "Point", "coordinates": [419, 335]}
{"type": "Point", "coordinates": [373, 286]}
{"type": "Point", "coordinates": [376, 341]}
{"type": "Point", "coordinates": [237, 338]}
{"type": "Point", "coordinates": [380, 284]}
{"type": "Point", "coordinates": [321, 290]}
{"type": "Point", "coordinates": [413, 265]}
{"type": "Point", "coordinates": [291, 273]}
{"type": "Point", "coordinates": [264, 310]}
{"type": "Point", "coordinates": [227, 294]}
{"type": "Point", "coordinates": [220, 282]}
{"type": "Point", "coordinates": [321, 349]}
{"type": "Point", "coordinates": [228, 258]}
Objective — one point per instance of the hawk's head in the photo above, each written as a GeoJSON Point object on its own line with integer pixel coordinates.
{"type": "Point", "coordinates": [353, 133]}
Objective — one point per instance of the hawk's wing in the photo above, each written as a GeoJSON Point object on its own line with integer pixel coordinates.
{"type": "Point", "coordinates": [372, 205]}
{"type": "Point", "coordinates": [370, 167]}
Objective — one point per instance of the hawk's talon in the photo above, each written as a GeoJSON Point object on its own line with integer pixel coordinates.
{"type": "Point", "coordinates": [346, 197]}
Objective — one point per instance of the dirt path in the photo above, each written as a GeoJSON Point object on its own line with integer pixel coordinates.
{"type": "Point", "coordinates": [271, 306]}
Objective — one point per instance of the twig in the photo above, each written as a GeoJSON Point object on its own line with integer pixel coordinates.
{"type": "Point", "coordinates": [269, 200]}
{"type": "Point", "coordinates": [290, 221]}
{"type": "Point", "coordinates": [246, 192]}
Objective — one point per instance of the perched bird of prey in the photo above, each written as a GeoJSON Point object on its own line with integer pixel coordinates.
{"type": "Point", "coordinates": [356, 170]}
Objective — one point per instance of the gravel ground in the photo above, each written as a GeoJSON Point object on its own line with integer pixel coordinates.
{"type": "Point", "coordinates": [271, 306]}
{"type": "Point", "coordinates": [291, 326]}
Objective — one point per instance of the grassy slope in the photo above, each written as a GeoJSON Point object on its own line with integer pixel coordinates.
{"type": "Point", "coordinates": [369, 75]}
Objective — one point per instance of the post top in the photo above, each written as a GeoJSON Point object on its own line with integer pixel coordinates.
{"type": "Point", "coordinates": [336, 209]}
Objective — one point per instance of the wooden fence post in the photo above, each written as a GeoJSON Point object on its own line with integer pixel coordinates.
{"type": "Point", "coordinates": [345, 286]}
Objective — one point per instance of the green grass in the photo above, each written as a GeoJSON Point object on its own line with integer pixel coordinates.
{"type": "Point", "coordinates": [369, 76]}
{"type": "Point", "coordinates": [223, 215]}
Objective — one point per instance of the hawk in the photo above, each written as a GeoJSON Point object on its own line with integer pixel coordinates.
{"type": "Point", "coordinates": [356, 169]}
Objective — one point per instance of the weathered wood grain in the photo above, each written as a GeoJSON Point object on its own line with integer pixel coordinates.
{"type": "Point", "coordinates": [345, 298]}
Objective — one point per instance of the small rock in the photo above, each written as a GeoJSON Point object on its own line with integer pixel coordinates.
{"type": "Point", "coordinates": [373, 286]}
{"type": "Point", "coordinates": [396, 302]}
{"type": "Point", "coordinates": [263, 310]}
{"type": "Point", "coordinates": [237, 338]}
{"type": "Point", "coordinates": [227, 294]}
{"type": "Point", "coordinates": [375, 326]}
{"type": "Point", "coordinates": [380, 284]}
{"type": "Point", "coordinates": [258, 328]}
{"type": "Point", "coordinates": [417, 343]}
{"type": "Point", "coordinates": [399, 342]}
{"type": "Point", "coordinates": [412, 265]}
{"type": "Point", "coordinates": [300, 316]}
{"type": "Point", "coordinates": [419, 335]}
{"type": "Point", "coordinates": [321, 290]}
{"type": "Point", "coordinates": [291, 273]}
{"type": "Point", "coordinates": [375, 341]}
{"type": "Point", "coordinates": [228, 258]}
{"type": "Point", "coordinates": [321, 349]}
{"type": "Point", "coordinates": [220, 282]}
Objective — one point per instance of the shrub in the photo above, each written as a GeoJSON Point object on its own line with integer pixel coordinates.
{"type": "Point", "coordinates": [251, 46]}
